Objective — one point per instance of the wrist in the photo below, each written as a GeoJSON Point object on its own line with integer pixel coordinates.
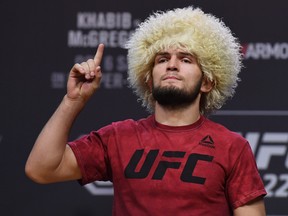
{"type": "Point", "coordinates": [73, 104]}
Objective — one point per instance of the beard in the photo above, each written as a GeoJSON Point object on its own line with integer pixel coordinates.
{"type": "Point", "coordinates": [173, 98]}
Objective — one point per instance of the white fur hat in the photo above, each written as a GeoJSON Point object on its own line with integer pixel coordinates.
{"type": "Point", "coordinates": [203, 35]}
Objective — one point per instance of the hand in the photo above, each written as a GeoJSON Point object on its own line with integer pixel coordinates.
{"type": "Point", "coordinates": [84, 79]}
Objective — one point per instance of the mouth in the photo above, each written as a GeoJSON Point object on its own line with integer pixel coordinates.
{"type": "Point", "coordinates": [171, 77]}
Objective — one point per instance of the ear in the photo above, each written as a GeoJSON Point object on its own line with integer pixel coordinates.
{"type": "Point", "coordinates": [149, 82]}
{"type": "Point", "coordinates": [207, 85]}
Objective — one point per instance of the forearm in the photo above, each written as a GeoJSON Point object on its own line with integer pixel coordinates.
{"type": "Point", "coordinates": [254, 208]}
{"type": "Point", "coordinates": [49, 148]}
{"type": "Point", "coordinates": [50, 159]}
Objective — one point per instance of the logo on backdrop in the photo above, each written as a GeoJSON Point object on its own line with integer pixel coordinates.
{"type": "Point", "coordinates": [100, 188]}
{"type": "Point", "coordinates": [265, 51]}
{"type": "Point", "coordinates": [91, 28]}
{"type": "Point", "coordinates": [271, 154]}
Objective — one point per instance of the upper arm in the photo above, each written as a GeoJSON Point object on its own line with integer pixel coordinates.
{"type": "Point", "coordinates": [68, 168]}
{"type": "Point", "coordinates": [254, 208]}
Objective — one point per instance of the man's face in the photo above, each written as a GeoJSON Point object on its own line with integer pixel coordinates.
{"type": "Point", "coordinates": [177, 78]}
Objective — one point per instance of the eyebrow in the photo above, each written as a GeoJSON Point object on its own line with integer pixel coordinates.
{"type": "Point", "coordinates": [178, 53]}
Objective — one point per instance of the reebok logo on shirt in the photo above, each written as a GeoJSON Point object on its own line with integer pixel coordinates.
{"type": "Point", "coordinates": [207, 141]}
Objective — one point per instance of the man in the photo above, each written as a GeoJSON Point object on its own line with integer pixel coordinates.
{"type": "Point", "coordinates": [183, 65]}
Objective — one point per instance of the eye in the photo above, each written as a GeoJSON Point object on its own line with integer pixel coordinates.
{"type": "Point", "coordinates": [162, 60]}
{"type": "Point", "coordinates": [186, 60]}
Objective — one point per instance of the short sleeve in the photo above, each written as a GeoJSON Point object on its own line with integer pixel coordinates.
{"type": "Point", "coordinates": [244, 183]}
{"type": "Point", "coordinates": [91, 155]}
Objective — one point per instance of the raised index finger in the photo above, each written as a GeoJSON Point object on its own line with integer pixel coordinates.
{"type": "Point", "coordinates": [99, 54]}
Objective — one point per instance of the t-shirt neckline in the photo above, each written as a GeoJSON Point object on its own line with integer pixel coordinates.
{"type": "Point", "coordinates": [192, 126]}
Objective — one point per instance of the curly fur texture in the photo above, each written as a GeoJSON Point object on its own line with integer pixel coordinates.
{"type": "Point", "coordinates": [203, 35]}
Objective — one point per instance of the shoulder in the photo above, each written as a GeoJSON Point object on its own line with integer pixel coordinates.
{"type": "Point", "coordinates": [223, 134]}
{"type": "Point", "coordinates": [221, 129]}
{"type": "Point", "coordinates": [128, 125]}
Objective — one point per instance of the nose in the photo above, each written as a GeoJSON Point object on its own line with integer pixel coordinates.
{"type": "Point", "coordinates": [172, 64]}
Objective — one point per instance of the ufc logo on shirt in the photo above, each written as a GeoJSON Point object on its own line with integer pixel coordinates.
{"type": "Point", "coordinates": [163, 165]}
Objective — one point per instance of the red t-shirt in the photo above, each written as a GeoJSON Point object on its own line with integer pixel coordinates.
{"type": "Point", "coordinates": [199, 169]}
